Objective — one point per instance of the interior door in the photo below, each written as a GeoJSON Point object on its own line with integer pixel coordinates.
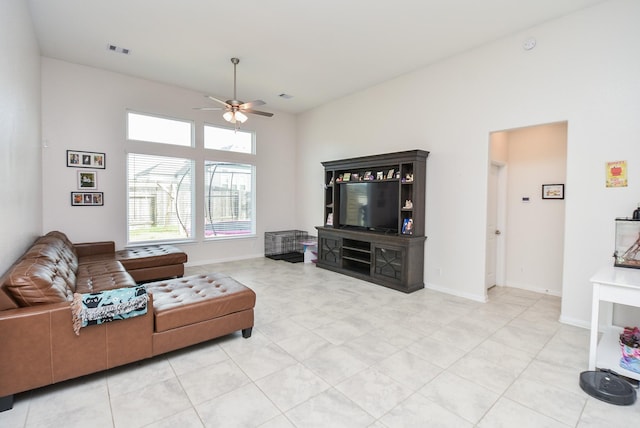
{"type": "Point", "coordinates": [492, 228]}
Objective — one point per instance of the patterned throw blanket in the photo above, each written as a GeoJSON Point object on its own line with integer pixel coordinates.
{"type": "Point", "coordinates": [107, 306]}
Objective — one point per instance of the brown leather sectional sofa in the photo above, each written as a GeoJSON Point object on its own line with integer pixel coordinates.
{"type": "Point", "coordinates": [38, 345]}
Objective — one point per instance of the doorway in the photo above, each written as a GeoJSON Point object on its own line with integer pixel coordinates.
{"type": "Point", "coordinates": [527, 251]}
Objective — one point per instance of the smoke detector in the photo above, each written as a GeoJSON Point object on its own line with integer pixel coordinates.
{"type": "Point", "coordinates": [529, 43]}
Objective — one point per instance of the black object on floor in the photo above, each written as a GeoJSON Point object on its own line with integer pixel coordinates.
{"type": "Point", "coordinates": [607, 386]}
{"type": "Point", "coordinates": [294, 257]}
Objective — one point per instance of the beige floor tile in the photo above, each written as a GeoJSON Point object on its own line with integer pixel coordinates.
{"type": "Point", "coordinates": [460, 396]}
{"type": "Point", "coordinates": [246, 406]}
{"type": "Point", "coordinates": [330, 350]}
{"type": "Point", "coordinates": [329, 409]}
{"type": "Point", "coordinates": [291, 386]}
{"type": "Point", "coordinates": [374, 391]}
{"type": "Point", "coordinates": [418, 411]}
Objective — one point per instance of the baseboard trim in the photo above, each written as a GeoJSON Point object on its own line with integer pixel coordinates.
{"type": "Point", "coordinates": [447, 290]}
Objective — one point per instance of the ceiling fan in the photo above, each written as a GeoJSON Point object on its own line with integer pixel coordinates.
{"type": "Point", "coordinates": [235, 110]}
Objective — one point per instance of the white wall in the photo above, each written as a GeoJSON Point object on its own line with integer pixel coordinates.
{"type": "Point", "coordinates": [584, 70]}
{"type": "Point", "coordinates": [85, 109]}
{"type": "Point", "coordinates": [20, 148]}
{"type": "Point", "coordinates": [535, 229]}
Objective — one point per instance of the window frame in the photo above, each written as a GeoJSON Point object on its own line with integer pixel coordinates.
{"type": "Point", "coordinates": [198, 155]}
{"type": "Point", "coordinates": [253, 217]}
{"type": "Point", "coordinates": [228, 128]}
{"type": "Point", "coordinates": [192, 204]}
{"type": "Point", "coordinates": [165, 117]}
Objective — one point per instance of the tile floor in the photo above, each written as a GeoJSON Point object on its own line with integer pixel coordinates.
{"type": "Point", "coordinates": [331, 351]}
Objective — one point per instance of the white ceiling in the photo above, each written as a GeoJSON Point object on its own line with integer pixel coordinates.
{"type": "Point", "coordinates": [315, 51]}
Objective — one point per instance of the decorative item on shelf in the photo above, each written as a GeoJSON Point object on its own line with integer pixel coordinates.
{"type": "Point", "coordinates": [408, 178]}
{"type": "Point", "coordinates": [627, 249]}
{"type": "Point", "coordinates": [636, 213]}
{"type": "Point", "coordinates": [408, 204]}
{"type": "Point", "coordinates": [354, 177]}
{"type": "Point", "coordinates": [379, 175]}
{"type": "Point", "coordinates": [346, 176]}
{"type": "Point", "coordinates": [367, 175]}
{"type": "Point", "coordinates": [339, 179]}
{"type": "Point", "coordinates": [398, 175]}
{"type": "Point", "coordinates": [390, 173]}
{"type": "Point", "coordinates": [407, 226]}
{"type": "Point", "coordinates": [630, 347]}
{"type": "Point", "coordinates": [331, 182]}
{"type": "Point", "coordinates": [330, 219]}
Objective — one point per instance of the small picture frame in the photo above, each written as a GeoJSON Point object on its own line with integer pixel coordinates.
{"type": "Point", "coordinates": [407, 226]}
{"type": "Point", "coordinates": [553, 191]}
{"type": "Point", "coordinates": [390, 173]}
{"type": "Point", "coordinates": [87, 180]}
{"type": "Point", "coordinates": [84, 199]}
{"type": "Point", "coordinates": [79, 159]}
{"type": "Point", "coordinates": [346, 176]}
{"type": "Point", "coordinates": [379, 175]}
{"type": "Point", "coordinates": [329, 219]}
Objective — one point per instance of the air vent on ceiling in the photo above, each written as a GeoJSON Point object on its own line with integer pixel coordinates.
{"type": "Point", "coordinates": [114, 48]}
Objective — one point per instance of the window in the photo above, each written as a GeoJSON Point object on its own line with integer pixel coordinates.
{"type": "Point", "coordinates": [230, 140]}
{"type": "Point", "coordinates": [229, 199]}
{"type": "Point", "coordinates": [154, 129]}
{"type": "Point", "coordinates": [160, 193]}
{"type": "Point", "coordinates": [161, 189]}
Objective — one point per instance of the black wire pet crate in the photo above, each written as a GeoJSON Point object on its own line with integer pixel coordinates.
{"type": "Point", "coordinates": [285, 245]}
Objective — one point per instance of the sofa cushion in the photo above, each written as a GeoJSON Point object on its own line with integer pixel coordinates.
{"type": "Point", "coordinates": [150, 256]}
{"type": "Point", "coordinates": [189, 300]}
{"type": "Point", "coordinates": [100, 276]}
{"type": "Point", "coordinates": [38, 281]}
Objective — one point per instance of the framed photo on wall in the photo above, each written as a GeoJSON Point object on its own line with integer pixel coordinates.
{"type": "Point", "coordinates": [87, 180]}
{"type": "Point", "coordinates": [87, 199]}
{"type": "Point", "coordinates": [553, 191]}
{"type": "Point", "coordinates": [79, 159]}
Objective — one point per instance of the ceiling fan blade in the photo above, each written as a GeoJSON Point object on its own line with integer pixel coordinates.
{"type": "Point", "coordinates": [252, 104]}
{"type": "Point", "coordinates": [218, 101]}
{"type": "Point", "coordinates": [261, 113]}
{"type": "Point", "coordinates": [209, 108]}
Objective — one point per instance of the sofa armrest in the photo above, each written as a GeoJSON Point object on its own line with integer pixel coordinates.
{"type": "Point", "coordinates": [85, 249]}
{"type": "Point", "coordinates": [25, 335]}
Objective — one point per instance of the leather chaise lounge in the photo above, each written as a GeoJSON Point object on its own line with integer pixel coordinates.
{"type": "Point", "coordinates": [38, 343]}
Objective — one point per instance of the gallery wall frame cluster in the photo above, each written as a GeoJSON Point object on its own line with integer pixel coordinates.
{"type": "Point", "coordinates": [87, 181]}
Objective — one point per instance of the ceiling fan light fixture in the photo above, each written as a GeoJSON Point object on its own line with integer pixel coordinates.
{"type": "Point", "coordinates": [241, 117]}
{"type": "Point", "coordinates": [235, 116]}
{"type": "Point", "coordinates": [234, 109]}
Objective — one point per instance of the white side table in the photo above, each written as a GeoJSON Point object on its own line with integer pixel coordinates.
{"type": "Point", "coordinates": [612, 285]}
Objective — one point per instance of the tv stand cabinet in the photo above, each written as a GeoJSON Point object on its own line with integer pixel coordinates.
{"type": "Point", "coordinates": [393, 259]}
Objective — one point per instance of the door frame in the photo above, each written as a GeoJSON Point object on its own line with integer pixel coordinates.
{"type": "Point", "coordinates": [501, 217]}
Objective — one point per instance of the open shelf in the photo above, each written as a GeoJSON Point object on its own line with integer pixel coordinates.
{"type": "Point", "coordinates": [609, 353]}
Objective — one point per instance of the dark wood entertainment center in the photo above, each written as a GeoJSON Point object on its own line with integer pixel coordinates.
{"type": "Point", "coordinates": [392, 256]}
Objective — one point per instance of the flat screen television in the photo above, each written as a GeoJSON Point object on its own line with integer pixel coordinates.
{"type": "Point", "coordinates": [371, 205]}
